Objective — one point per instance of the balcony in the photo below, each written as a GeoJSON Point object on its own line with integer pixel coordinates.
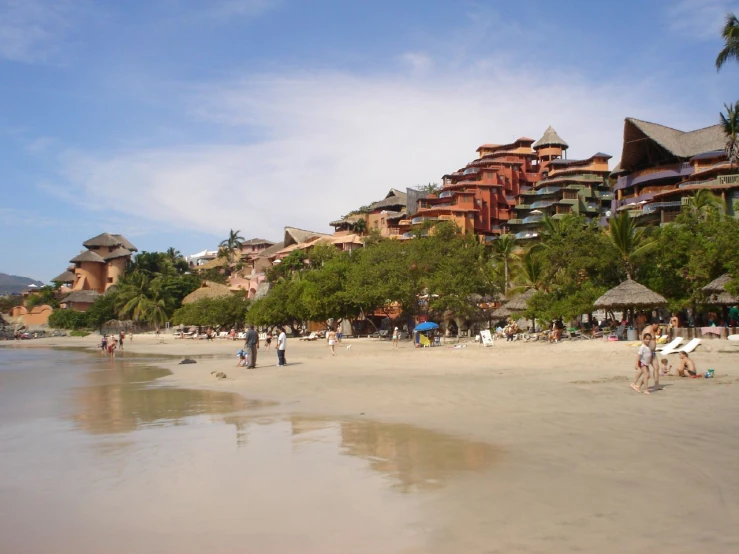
{"type": "Point", "coordinates": [515, 222]}
{"type": "Point", "coordinates": [511, 199]}
{"type": "Point", "coordinates": [674, 171]}
{"type": "Point", "coordinates": [446, 194]}
{"type": "Point", "coordinates": [523, 235]}
{"type": "Point", "coordinates": [533, 219]}
{"type": "Point", "coordinates": [406, 236]}
{"type": "Point", "coordinates": [542, 204]}
{"type": "Point", "coordinates": [522, 207]}
{"type": "Point", "coordinates": [651, 208]}
{"type": "Point", "coordinates": [548, 190]}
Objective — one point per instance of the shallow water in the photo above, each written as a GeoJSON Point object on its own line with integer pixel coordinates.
{"type": "Point", "coordinates": [94, 457]}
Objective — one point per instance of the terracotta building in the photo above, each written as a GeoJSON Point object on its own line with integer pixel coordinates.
{"type": "Point", "coordinates": [662, 167]}
{"type": "Point", "coordinates": [381, 217]}
{"type": "Point", "coordinates": [96, 269]}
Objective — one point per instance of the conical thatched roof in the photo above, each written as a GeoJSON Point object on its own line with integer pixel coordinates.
{"type": "Point", "coordinates": [718, 285]}
{"type": "Point", "coordinates": [550, 138]}
{"type": "Point", "coordinates": [501, 312]}
{"type": "Point", "coordinates": [630, 294]}
{"type": "Point", "coordinates": [717, 294]}
{"type": "Point", "coordinates": [88, 256]}
{"type": "Point", "coordinates": [81, 297]}
{"type": "Point", "coordinates": [209, 289]}
{"type": "Point", "coordinates": [66, 277]}
{"type": "Point", "coordinates": [520, 302]}
{"type": "Point", "coordinates": [119, 252]}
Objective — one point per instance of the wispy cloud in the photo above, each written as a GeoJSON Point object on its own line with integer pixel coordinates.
{"type": "Point", "coordinates": [15, 218]}
{"type": "Point", "coordinates": [34, 30]}
{"type": "Point", "coordinates": [700, 19]}
{"type": "Point", "coordinates": [329, 142]}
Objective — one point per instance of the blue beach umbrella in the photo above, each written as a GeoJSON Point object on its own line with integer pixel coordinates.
{"type": "Point", "coordinates": [427, 326]}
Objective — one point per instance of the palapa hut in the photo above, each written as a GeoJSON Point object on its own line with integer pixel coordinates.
{"type": "Point", "coordinates": [630, 294]}
{"type": "Point", "coordinates": [501, 312]}
{"type": "Point", "coordinates": [717, 294]}
{"type": "Point", "coordinates": [208, 289]}
{"type": "Point", "coordinates": [521, 302]}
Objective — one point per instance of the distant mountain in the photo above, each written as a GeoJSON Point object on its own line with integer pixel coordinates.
{"type": "Point", "coordinates": [13, 284]}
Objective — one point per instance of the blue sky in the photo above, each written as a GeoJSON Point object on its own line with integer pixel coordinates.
{"type": "Point", "coordinates": [172, 121]}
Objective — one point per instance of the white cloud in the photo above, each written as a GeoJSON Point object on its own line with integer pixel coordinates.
{"type": "Point", "coordinates": [330, 142]}
{"type": "Point", "coordinates": [702, 19]}
{"type": "Point", "coordinates": [33, 30]}
{"type": "Point", "coordinates": [418, 62]}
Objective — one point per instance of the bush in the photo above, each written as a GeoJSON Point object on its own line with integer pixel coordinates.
{"type": "Point", "coordinates": [77, 333]}
{"type": "Point", "coordinates": [67, 319]}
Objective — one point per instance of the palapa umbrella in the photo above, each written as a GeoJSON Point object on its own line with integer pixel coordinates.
{"type": "Point", "coordinates": [208, 289]}
{"type": "Point", "coordinates": [520, 302]}
{"type": "Point", "coordinates": [501, 312]}
{"type": "Point", "coordinates": [630, 294]}
{"type": "Point", "coordinates": [716, 291]}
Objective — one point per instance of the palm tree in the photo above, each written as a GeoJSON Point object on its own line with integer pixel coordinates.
{"type": "Point", "coordinates": [530, 270]}
{"type": "Point", "coordinates": [503, 251]}
{"type": "Point", "coordinates": [705, 202]}
{"type": "Point", "coordinates": [232, 245]}
{"type": "Point", "coordinates": [730, 35]}
{"type": "Point", "coordinates": [359, 226]}
{"type": "Point", "coordinates": [730, 127]}
{"type": "Point", "coordinates": [173, 254]}
{"type": "Point", "coordinates": [133, 299]}
{"type": "Point", "coordinates": [628, 240]}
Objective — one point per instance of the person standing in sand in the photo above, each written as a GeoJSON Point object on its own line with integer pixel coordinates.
{"type": "Point", "coordinates": [652, 329]}
{"type": "Point", "coordinates": [396, 337]}
{"type": "Point", "coordinates": [331, 338]}
{"type": "Point", "coordinates": [111, 347]}
{"type": "Point", "coordinates": [251, 344]}
{"type": "Point", "coordinates": [643, 360]}
{"type": "Point", "coordinates": [281, 343]}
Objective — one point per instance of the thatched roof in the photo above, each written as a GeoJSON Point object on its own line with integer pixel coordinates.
{"type": "Point", "coordinates": [208, 289]}
{"type": "Point", "coordinates": [81, 297]}
{"type": "Point", "coordinates": [501, 312]}
{"type": "Point", "coordinates": [274, 249]}
{"type": "Point", "coordinates": [125, 243]}
{"type": "Point", "coordinates": [520, 302]}
{"type": "Point", "coordinates": [254, 242]}
{"type": "Point", "coordinates": [630, 294]}
{"type": "Point", "coordinates": [217, 262]}
{"type": "Point", "coordinates": [119, 252]}
{"type": "Point", "coordinates": [394, 198]}
{"type": "Point", "coordinates": [66, 277]}
{"type": "Point", "coordinates": [718, 285]}
{"type": "Point", "coordinates": [103, 239]}
{"type": "Point", "coordinates": [717, 293]}
{"type": "Point", "coordinates": [648, 143]}
{"type": "Point", "coordinates": [550, 138]}
{"type": "Point", "coordinates": [88, 256]}
{"type": "Point", "coordinates": [293, 235]}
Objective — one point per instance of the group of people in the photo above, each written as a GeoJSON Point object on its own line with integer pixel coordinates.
{"type": "Point", "coordinates": [110, 343]}
{"type": "Point", "coordinates": [248, 355]}
{"type": "Point", "coordinates": [647, 358]}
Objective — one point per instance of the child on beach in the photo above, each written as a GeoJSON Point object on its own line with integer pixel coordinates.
{"type": "Point", "coordinates": [396, 336]}
{"type": "Point", "coordinates": [331, 338]}
{"type": "Point", "coordinates": [643, 361]}
{"type": "Point", "coordinates": [666, 369]}
{"type": "Point", "coordinates": [687, 366]}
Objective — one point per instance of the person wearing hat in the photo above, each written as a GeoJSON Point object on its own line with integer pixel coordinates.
{"type": "Point", "coordinates": [396, 337]}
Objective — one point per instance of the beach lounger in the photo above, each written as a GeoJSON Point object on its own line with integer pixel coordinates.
{"type": "Point", "coordinates": [667, 349]}
{"type": "Point", "coordinates": [692, 345]}
{"type": "Point", "coordinates": [312, 336]}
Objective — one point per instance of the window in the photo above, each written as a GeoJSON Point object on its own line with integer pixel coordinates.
{"type": "Point", "coordinates": [110, 279]}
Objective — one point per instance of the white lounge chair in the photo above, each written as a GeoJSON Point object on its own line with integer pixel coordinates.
{"type": "Point", "coordinates": [692, 345]}
{"type": "Point", "coordinates": [311, 337]}
{"type": "Point", "coordinates": [669, 348]}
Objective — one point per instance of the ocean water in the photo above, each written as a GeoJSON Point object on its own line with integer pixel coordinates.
{"type": "Point", "coordinates": [96, 457]}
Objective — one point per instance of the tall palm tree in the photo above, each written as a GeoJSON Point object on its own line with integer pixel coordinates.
{"type": "Point", "coordinates": [503, 251]}
{"type": "Point", "coordinates": [530, 270]}
{"type": "Point", "coordinates": [730, 35]}
{"type": "Point", "coordinates": [730, 127]}
{"type": "Point", "coordinates": [173, 254]}
{"type": "Point", "coordinates": [705, 202]}
{"type": "Point", "coordinates": [232, 245]}
{"type": "Point", "coordinates": [133, 298]}
{"type": "Point", "coordinates": [628, 240]}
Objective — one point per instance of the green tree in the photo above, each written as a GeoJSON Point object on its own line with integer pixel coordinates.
{"type": "Point", "coordinates": [227, 311]}
{"type": "Point", "coordinates": [43, 295]}
{"type": "Point", "coordinates": [629, 241]}
{"type": "Point", "coordinates": [232, 245]}
{"type": "Point", "coordinates": [730, 34]}
{"type": "Point", "coordinates": [504, 249]}
{"type": "Point", "coordinates": [359, 226]}
{"type": "Point", "coordinates": [730, 127]}
{"type": "Point", "coordinates": [430, 188]}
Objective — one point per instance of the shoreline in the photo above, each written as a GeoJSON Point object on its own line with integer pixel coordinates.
{"type": "Point", "coordinates": [566, 443]}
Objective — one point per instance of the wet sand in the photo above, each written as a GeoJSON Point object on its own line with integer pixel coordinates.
{"type": "Point", "coordinates": [515, 448]}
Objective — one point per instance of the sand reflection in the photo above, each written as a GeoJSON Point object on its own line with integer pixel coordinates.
{"type": "Point", "coordinates": [123, 400]}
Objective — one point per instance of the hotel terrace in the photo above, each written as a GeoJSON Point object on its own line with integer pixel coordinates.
{"type": "Point", "coordinates": [661, 168]}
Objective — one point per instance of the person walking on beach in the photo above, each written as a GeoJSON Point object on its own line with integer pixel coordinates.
{"type": "Point", "coordinates": [643, 360]}
{"type": "Point", "coordinates": [652, 329]}
{"type": "Point", "coordinates": [104, 345]}
{"type": "Point", "coordinates": [331, 337]}
{"type": "Point", "coordinates": [268, 339]}
{"type": "Point", "coordinates": [111, 347]}
{"type": "Point", "coordinates": [281, 343]}
{"type": "Point", "coordinates": [251, 345]}
{"type": "Point", "coordinates": [121, 336]}
{"type": "Point", "coordinates": [396, 337]}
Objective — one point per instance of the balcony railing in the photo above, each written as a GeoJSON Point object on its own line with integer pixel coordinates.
{"type": "Point", "coordinates": [728, 180]}
{"type": "Point", "coordinates": [526, 235]}
{"type": "Point", "coordinates": [651, 208]}
{"type": "Point", "coordinates": [446, 194]}
{"type": "Point", "coordinates": [548, 190]}
{"type": "Point", "coordinates": [542, 204]}
{"type": "Point", "coordinates": [533, 219]}
{"type": "Point", "coordinates": [515, 221]}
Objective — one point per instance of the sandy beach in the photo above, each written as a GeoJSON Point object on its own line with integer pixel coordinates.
{"type": "Point", "coordinates": [574, 460]}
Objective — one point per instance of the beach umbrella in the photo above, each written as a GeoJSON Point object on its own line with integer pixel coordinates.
{"type": "Point", "coordinates": [716, 291]}
{"type": "Point", "coordinates": [630, 294]}
{"type": "Point", "coordinates": [520, 302]}
{"type": "Point", "coordinates": [501, 312]}
{"type": "Point", "coordinates": [208, 289]}
{"type": "Point", "coordinates": [427, 326]}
